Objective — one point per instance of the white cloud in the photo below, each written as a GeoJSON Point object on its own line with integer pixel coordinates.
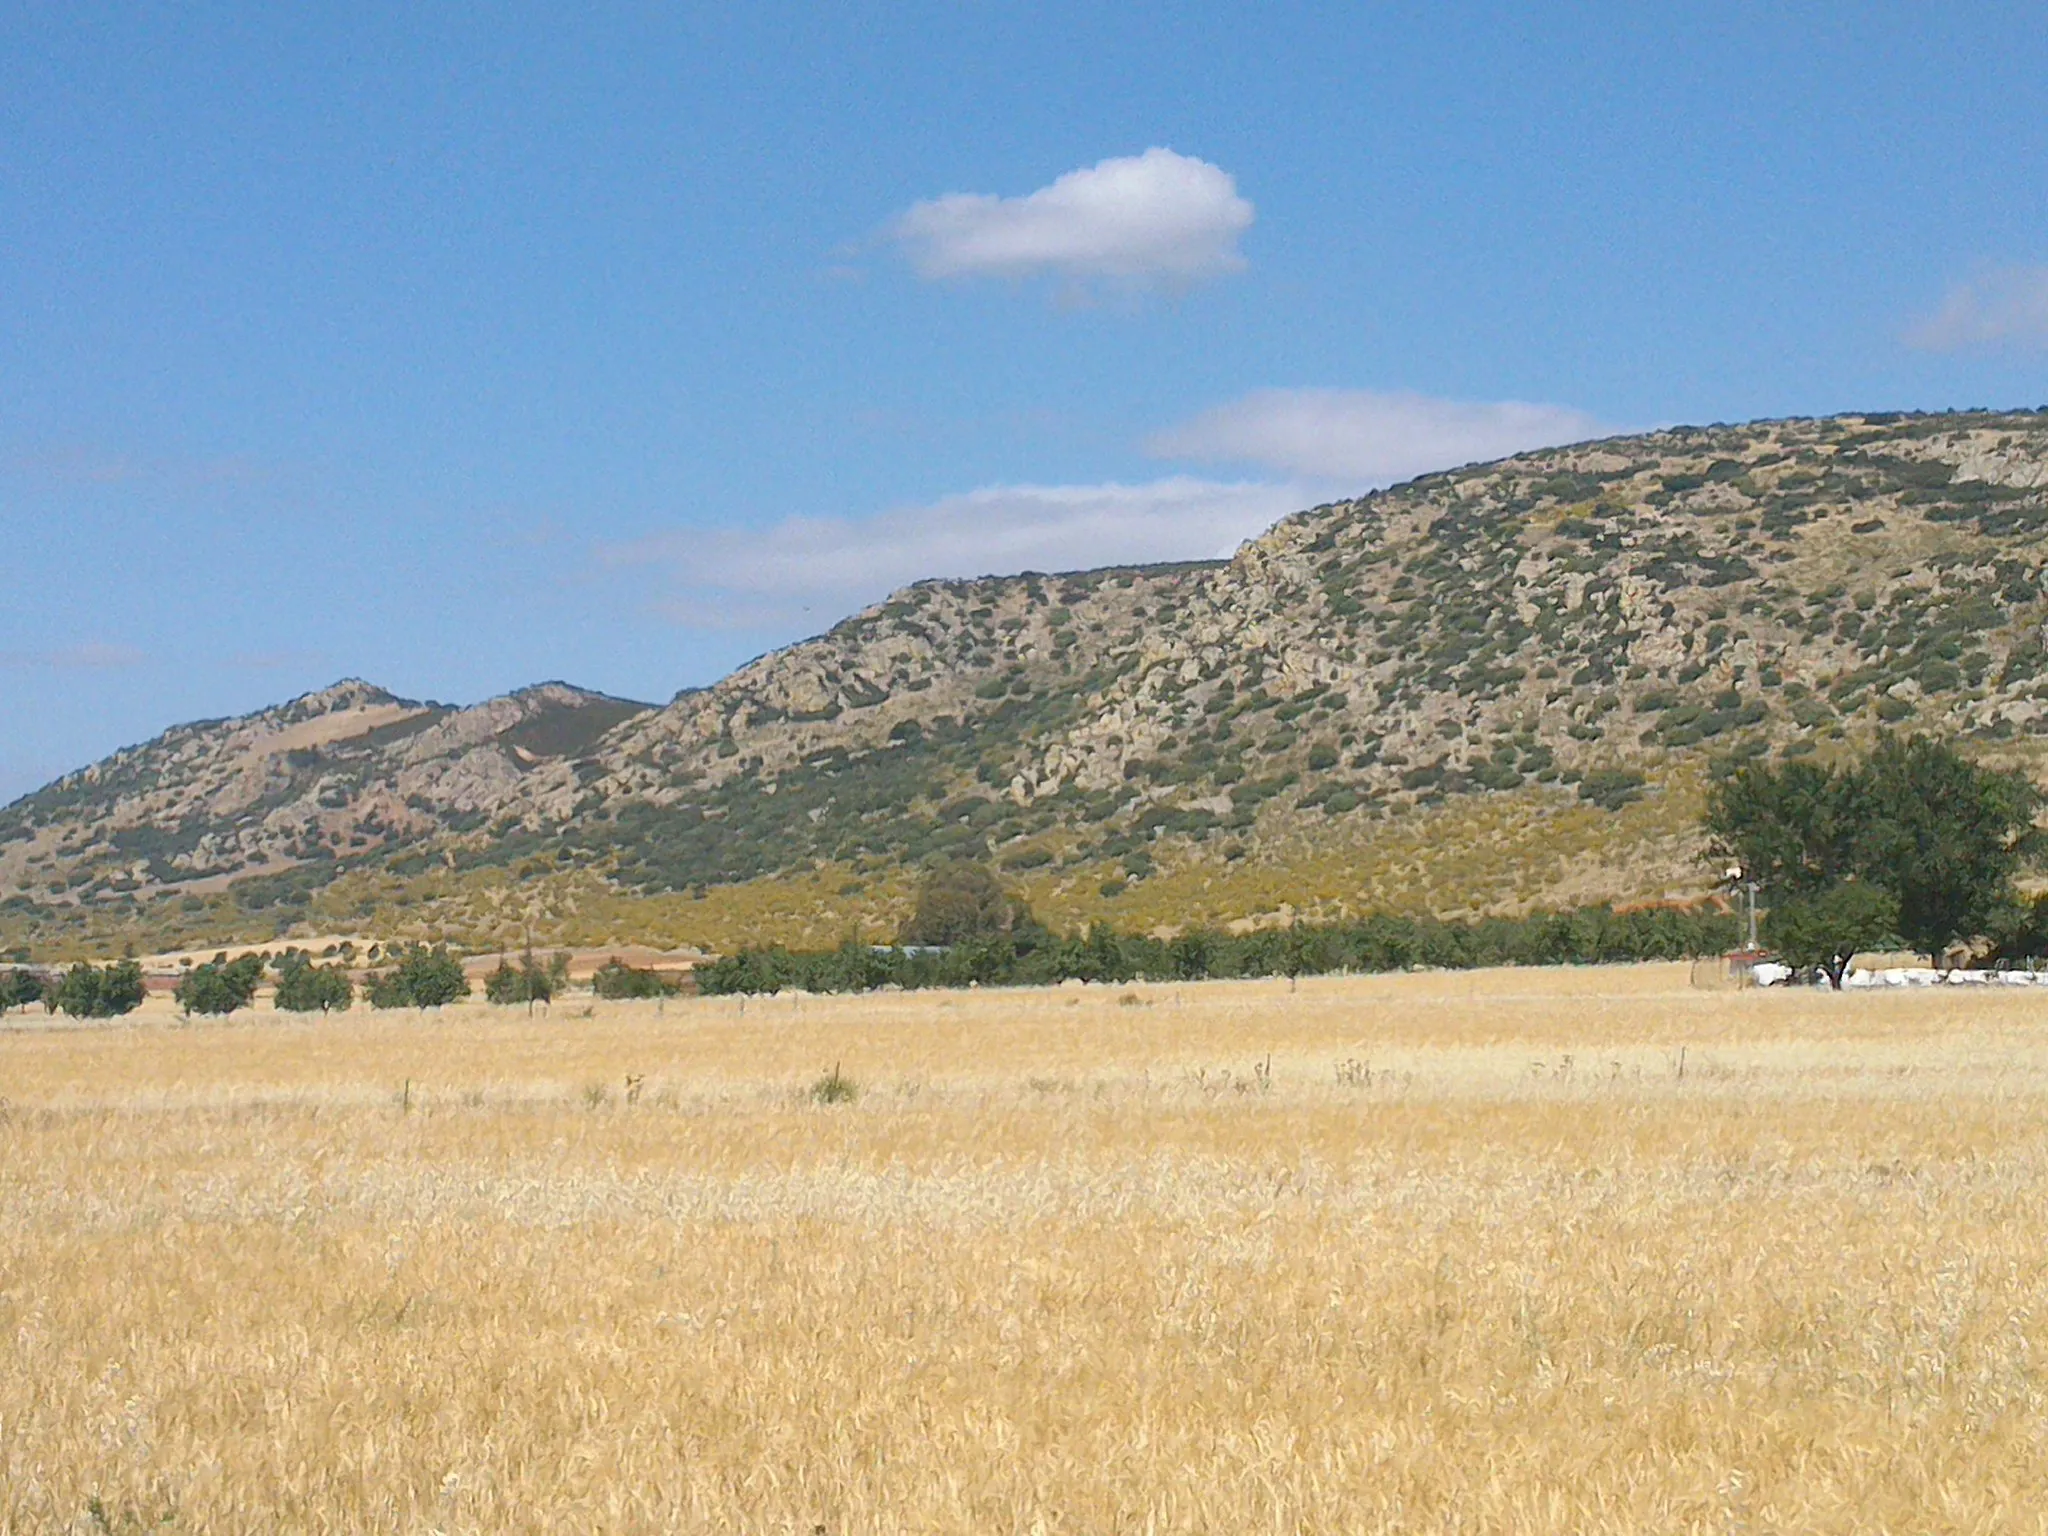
{"type": "Point", "coordinates": [2006, 306]}
{"type": "Point", "coordinates": [1158, 217]}
{"type": "Point", "coordinates": [807, 572]}
{"type": "Point", "coordinates": [1367, 437]}
{"type": "Point", "coordinates": [815, 570]}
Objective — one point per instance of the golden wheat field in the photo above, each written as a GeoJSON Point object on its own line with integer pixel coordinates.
{"type": "Point", "coordinates": [1535, 1251]}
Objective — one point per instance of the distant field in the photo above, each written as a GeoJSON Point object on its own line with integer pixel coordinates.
{"type": "Point", "coordinates": [1535, 1251]}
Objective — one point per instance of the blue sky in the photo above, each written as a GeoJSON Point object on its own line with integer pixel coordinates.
{"type": "Point", "coordinates": [459, 351]}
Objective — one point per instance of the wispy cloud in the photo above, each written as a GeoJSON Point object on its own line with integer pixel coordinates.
{"type": "Point", "coordinates": [91, 656]}
{"type": "Point", "coordinates": [76, 465]}
{"type": "Point", "coordinates": [2000, 307]}
{"type": "Point", "coordinates": [275, 661]}
{"type": "Point", "coordinates": [805, 572]}
{"type": "Point", "coordinates": [816, 569]}
{"type": "Point", "coordinates": [1366, 437]}
{"type": "Point", "coordinates": [1155, 218]}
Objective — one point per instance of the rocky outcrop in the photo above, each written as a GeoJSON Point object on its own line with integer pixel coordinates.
{"type": "Point", "coordinates": [344, 775]}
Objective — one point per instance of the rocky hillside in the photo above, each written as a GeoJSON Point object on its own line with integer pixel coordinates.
{"type": "Point", "coordinates": [1488, 687]}
{"type": "Point", "coordinates": [350, 773]}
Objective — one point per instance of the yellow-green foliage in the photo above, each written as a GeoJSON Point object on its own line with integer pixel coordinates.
{"type": "Point", "coordinates": [1488, 853]}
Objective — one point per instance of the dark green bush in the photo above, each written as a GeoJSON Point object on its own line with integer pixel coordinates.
{"type": "Point", "coordinates": [88, 992]}
{"type": "Point", "coordinates": [422, 977]}
{"type": "Point", "coordinates": [529, 982]}
{"type": "Point", "coordinates": [221, 985]}
{"type": "Point", "coordinates": [303, 987]}
{"type": "Point", "coordinates": [20, 987]}
{"type": "Point", "coordinates": [1611, 788]}
{"type": "Point", "coordinates": [615, 979]}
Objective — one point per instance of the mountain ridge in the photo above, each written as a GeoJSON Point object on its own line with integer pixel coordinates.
{"type": "Point", "coordinates": [1536, 658]}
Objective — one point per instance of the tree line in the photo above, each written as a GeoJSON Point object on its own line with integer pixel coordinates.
{"type": "Point", "coordinates": [1911, 846]}
{"type": "Point", "coordinates": [1027, 954]}
{"type": "Point", "coordinates": [414, 976]}
{"type": "Point", "coordinates": [83, 991]}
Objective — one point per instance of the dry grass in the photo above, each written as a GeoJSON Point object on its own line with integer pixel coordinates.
{"type": "Point", "coordinates": [1429, 1253]}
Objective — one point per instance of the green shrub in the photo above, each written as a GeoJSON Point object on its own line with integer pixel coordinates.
{"type": "Point", "coordinates": [87, 992]}
{"type": "Point", "coordinates": [423, 977]}
{"type": "Point", "coordinates": [20, 987]}
{"type": "Point", "coordinates": [616, 980]}
{"type": "Point", "coordinates": [530, 982]}
{"type": "Point", "coordinates": [1611, 788]}
{"type": "Point", "coordinates": [221, 985]}
{"type": "Point", "coordinates": [835, 1087]}
{"type": "Point", "coordinates": [303, 987]}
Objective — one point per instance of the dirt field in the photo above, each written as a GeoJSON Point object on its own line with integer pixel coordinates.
{"type": "Point", "coordinates": [1515, 1251]}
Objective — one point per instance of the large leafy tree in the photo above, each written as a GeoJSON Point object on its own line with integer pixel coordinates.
{"type": "Point", "coordinates": [1935, 837]}
{"type": "Point", "coordinates": [532, 982]}
{"type": "Point", "coordinates": [960, 901]}
{"type": "Point", "coordinates": [1791, 828]}
{"type": "Point", "coordinates": [121, 988]}
{"type": "Point", "coordinates": [20, 987]}
{"type": "Point", "coordinates": [422, 977]}
{"type": "Point", "coordinates": [220, 985]}
{"type": "Point", "coordinates": [1945, 837]}
{"type": "Point", "coordinates": [1824, 929]}
{"type": "Point", "coordinates": [303, 987]}
{"type": "Point", "coordinates": [86, 991]}
{"type": "Point", "coordinates": [2022, 930]}
{"type": "Point", "coordinates": [81, 991]}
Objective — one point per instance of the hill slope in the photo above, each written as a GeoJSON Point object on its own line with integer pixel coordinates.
{"type": "Point", "coordinates": [1438, 695]}
{"type": "Point", "coordinates": [348, 774]}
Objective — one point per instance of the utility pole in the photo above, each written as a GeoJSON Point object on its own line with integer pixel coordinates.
{"type": "Point", "coordinates": [1749, 887]}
